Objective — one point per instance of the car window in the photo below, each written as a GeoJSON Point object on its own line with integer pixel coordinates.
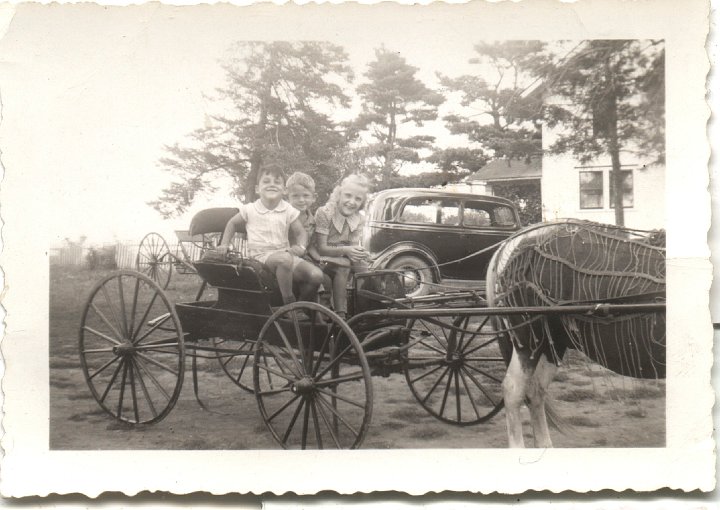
{"type": "Point", "coordinates": [484, 214]}
{"type": "Point", "coordinates": [503, 216]}
{"type": "Point", "coordinates": [431, 211]}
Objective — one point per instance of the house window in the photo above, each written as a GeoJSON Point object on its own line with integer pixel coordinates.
{"type": "Point", "coordinates": [627, 189]}
{"type": "Point", "coordinates": [591, 190]}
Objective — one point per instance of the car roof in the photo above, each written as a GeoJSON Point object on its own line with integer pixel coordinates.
{"type": "Point", "coordinates": [433, 192]}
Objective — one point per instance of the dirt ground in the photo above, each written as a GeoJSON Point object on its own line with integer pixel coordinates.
{"type": "Point", "coordinates": [601, 409]}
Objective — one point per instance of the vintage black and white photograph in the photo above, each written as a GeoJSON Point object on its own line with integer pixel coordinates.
{"type": "Point", "coordinates": [264, 232]}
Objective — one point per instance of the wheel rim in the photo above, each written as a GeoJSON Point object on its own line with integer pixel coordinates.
{"type": "Point", "coordinates": [132, 349]}
{"type": "Point", "coordinates": [455, 370]}
{"type": "Point", "coordinates": [321, 396]}
{"type": "Point", "coordinates": [154, 259]}
{"type": "Point", "coordinates": [238, 364]}
{"type": "Point", "coordinates": [412, 279]}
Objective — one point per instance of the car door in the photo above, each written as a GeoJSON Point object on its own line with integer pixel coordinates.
{"type": "Point", "coordinates": [434, 222]}
{"type": "Point", "coordinates": [484, 225]}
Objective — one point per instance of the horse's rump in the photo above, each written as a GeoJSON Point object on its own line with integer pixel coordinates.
{"type": "Point", "coordinates": [578, 262]}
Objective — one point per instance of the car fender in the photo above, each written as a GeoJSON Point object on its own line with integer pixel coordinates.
{"type": "Point", "coordinates": [381, 259]}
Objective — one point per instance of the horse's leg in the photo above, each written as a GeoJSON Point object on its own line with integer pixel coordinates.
{"type": "Point", "coordinates": [515, 387]}
{"type": "Point", "coordinates": [542, 377]}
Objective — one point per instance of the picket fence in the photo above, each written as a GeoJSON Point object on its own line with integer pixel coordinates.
{"type": "Point", "coordinates": [125, 254]}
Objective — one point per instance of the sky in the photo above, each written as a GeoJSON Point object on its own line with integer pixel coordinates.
{"type": "Point", "coordinates": [100, 92]}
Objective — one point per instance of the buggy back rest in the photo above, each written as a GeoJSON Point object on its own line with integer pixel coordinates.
{"type": "Point", "coordinates": [211, 221]}
{"type": "Point", "coordinates": [247, 287]}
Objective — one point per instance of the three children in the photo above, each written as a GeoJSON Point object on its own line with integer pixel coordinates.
{"type": "Point", "coordinates": [331, 238]}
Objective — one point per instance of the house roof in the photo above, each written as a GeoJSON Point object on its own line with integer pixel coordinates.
{"type": "Point", "coordinates": [509, 170]}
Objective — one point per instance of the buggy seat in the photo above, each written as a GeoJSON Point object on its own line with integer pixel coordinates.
{"type": "Point", "coordinates": [243, 284]}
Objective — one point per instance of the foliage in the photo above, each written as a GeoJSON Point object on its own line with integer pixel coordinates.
{"type": "Point", "coordinates": [101, 257]}
{"type": "Point", "coordinates": [610, 101]}
{"type": "Point", "coordinates": [394, 96]}
{"type": "Point", "coordinates": [513, 130]}
{"type": "Point", "coordinates": [273, 106]}
{"type": "Point", "coordinates": [526, 197]}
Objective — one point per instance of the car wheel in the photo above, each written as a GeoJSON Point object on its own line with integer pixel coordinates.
{"type": "Point", "coordinates": [417, 276]}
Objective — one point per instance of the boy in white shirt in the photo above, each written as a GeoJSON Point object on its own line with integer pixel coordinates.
{"type": "Point", "coordinates": [268, 222]}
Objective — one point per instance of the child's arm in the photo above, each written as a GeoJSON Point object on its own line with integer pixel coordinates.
{"type": "Point", "coordinates": [354, 253]}
{"type": "Point", "coordinates": [299, 235]}
{"type": "Point", "coordinates": [236, 223]}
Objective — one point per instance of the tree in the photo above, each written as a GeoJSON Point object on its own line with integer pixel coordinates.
{"type": "Point", "coordinates": [273, 108]}
{"type": "Point", "coordinates": [609, 101]}
{"type": "Point", "coordinates": [393, 97]}
{"type": "Point", "coordinates": [504, 121]}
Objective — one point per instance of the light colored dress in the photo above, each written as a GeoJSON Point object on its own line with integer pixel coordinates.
{"type": "Point", "coordinates": [267, 229]}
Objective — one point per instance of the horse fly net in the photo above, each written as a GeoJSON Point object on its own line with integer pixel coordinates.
{"type": "Point", "coordinates": [578, 262]}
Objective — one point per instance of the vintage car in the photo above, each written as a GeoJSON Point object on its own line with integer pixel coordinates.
{"type": "Point", "coordinates": [419, 231]}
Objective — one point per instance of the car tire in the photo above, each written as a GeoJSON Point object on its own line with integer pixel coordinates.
{"type": "Point", "coordinates": [420, 276]}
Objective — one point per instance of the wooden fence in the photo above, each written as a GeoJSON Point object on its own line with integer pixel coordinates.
{"type": "Point", "coordinates": [125, 254]}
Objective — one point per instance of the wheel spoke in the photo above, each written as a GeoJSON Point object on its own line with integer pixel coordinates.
{"type": "Point", "coordinates": [337, 415]}
{"type": "Point", "coordinates": [306, 419]}
{"type": "Point", "coordinates": [462, 345]}
{"type": "Point", "coordinates": [433, 348]}
{"type": "Point", "coordinates": [327, 424]}
{"type": "Point", "coordinates": [447, 391]}
{"type": "Point", "coordinates": [355, 376]}
{"type": "Point", "coordinates": [424, 400]}
{"type": "Point", "coordinates": [282, 408]}
{"type": "Point", "coordinates": [122, 390]}
{"type": "Point", "coordinates": [481, 387]}
{"type": "Point", "coordinates": [144, 389]}
{"type": "Point", "coordinates": [298, 337]}
{"type": "Point", "coordinates": [316, 424]}
{"type": "Point", "coordinates": [133, 310]}
{"type": "Point", "coordinates": [470, 397]}
{"type": "Point", "coordinates": [157, 363]}
{"type": "Point", "coordinates": [123, 311]}
{"type": "Point", "coordinates": [96, 351]}
{"type": "Point", "coordinates": [482, 372]}
{"type": "Point", "coordinates": [112, 380]}
{"type": "Point", "coordinates": [274, 372]}
{"type": "Point", "coordinates": [323, 349]}
{"type": "Point", "coordinates": [152, 378]}
{"type": "Point", "coordinates": [274, 392]}
{"type": "Point", "coordinates": [423, 376]}
{"type": "Point", "coordinates": [281, 360]}
{"type": "Point", "coordinates": [340, 397]}
{"type": "Point", "coordinates": [457, 394]}
{"type": "Point", "coordinates": [335, 360]}
{"type": "Point", "coordinates": [113, 313]}
{"type": "Point", "coordinates": [102, 368]}
{"type": "Point", "coordinates": [292, 421]}
{"type": "Point", "coordinates": [152, 329]}
{"type": "Point", "coordinates": [106, 321]}
{"type": "Point", "coordinates": [478, 347]}
{"type": "Point", "coordinates": [144, 317]}
{"type": "Point", "coordinates": [134, 394]}
{"type": "Point", "coordinates": [288, 347]}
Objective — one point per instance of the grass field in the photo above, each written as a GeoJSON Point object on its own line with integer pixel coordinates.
{"type": "Point", "coordinates": [602, 409]}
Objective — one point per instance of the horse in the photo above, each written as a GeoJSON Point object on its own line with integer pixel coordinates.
{"type": "Point", "coordinates": [574, 262]}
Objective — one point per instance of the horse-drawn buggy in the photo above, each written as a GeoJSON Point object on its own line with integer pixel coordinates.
{"type": "Point", "coordinates": [311, 372]}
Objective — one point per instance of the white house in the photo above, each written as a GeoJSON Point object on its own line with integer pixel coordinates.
{"type": "Point", "coordinates": [574, 190]}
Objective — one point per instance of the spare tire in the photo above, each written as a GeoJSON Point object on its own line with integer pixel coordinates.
{"type": "Point", "coordinates": [418, 277]}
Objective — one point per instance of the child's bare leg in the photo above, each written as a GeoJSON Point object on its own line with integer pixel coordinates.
{"type": "Point", "coordinates": [281, 264]}
{"type": "Point", "coordinates": [340, 279]}
{"type": "Point", "coordinates": [308, 278]}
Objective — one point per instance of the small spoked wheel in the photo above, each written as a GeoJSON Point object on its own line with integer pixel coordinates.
{"type": "Point", "coordinates": [320, 393]}
{"type": "Point", "coordinates": [154, 259]}
{"type": "Point", "coordinates": [235, 358]}
{"type": "Point", "coordinates": [455, 369]}
{"type": "Point", "coordinates": [132, 348]}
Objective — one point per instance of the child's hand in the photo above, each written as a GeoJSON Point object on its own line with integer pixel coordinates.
{"type": "Point", "coordinates": [297, 250]}
{"type": "Point", "coordinates": [357, 254]}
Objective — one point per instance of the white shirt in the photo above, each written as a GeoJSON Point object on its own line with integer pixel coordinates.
{"type": "Point", "coordinates": [267, 229]}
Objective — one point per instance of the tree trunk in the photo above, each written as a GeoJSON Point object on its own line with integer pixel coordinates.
{"type": "Point", "coordinates": [256, 157]}
{"type": "Point", "coordinates": [614, 148]}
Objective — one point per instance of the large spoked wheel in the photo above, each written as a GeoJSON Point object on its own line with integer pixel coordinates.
{"type": "Point", "coordinates": [320, 395]}
{"type": "Point", "coordinates": [455, 370]}
{"type": "Point", "coordinates": [132, 348]}
{"type": "Point", "coordinates": [235, 359]}
{"type": "Point", "coordinates": [154, 259]}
